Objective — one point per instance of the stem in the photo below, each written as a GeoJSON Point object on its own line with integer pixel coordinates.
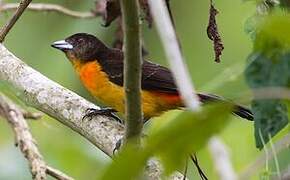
{"type": "Point", "coordinates": [46, 7]}
{"type": "Point", "coordinates": [26, 143]}
{"type": "Point", "coordinates": [174, 56]}
{"type": "Point", "coordinates": [132, 69]}
{"type": "Point", "coordinates": [8, 26]}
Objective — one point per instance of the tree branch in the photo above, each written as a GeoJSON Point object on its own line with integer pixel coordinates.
{"type": "Point", "coordinates": [58, 102]}
{"type": "Point", "coordinates": [50, 8]}
{"type": "Point", "coordinates": [132, 69]}
{"type": "Point", "coordinates": [25, 141]}
{"type": "Point", "coordinates": [10, 23]}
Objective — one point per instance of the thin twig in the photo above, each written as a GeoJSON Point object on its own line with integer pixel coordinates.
{"type": "Point", "coordinates": [45, 7]}
{"type": "Point", "coordinates": [26, 142]}
{"type": "Point", "coordinates": [57, 174]}
{"type": "Point", "coordinates": [253, 168]}
{"type": "Point", "coordinates": [169, 40]}
{"type": "Point", "coordinates": [221, 159]}
{"type": "Point", "coordinates": [185, 170]}
{"type": "Point", "coordinates": [10, 23]}
{"type": "Point", "coordinates": [132, 69]}
{"type": "Point", "coordinates": [31, 115]}
{"type": "Point", "coordinates": [200, 171]}
{"type": "Point", "coordinates": [272, 93]}
{"type": "Point", "coordinates": [172, 49]}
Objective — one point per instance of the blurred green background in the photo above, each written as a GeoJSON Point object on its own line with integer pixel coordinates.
{"type": "Point", "coordinates": [30, 40]}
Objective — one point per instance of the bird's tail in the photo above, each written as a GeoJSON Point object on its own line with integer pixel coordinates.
{"type": "Point", "coordinates": [239, 110]}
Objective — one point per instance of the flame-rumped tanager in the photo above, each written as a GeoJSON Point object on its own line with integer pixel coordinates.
{"type": "Point", "coordinates": [100, 69]}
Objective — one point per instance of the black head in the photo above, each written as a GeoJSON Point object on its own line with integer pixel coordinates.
{"type": "Point", "coordinates": [81, 46]}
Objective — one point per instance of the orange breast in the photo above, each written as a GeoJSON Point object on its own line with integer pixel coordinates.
{"type": "Point", "coordinates": [99, 85]}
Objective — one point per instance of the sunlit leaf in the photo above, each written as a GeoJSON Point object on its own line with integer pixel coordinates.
{"type": "Point", "coordinates": [187, 133]}
{"type": "Point", "coordinates": [172, 142]}
{"type": "Point", "coordinates": [128, 164]}
{"type": "Point", "coordinates": [273, 34]}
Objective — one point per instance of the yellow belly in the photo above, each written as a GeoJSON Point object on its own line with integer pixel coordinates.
{"type": "Point", "coordinates": [99, 85]}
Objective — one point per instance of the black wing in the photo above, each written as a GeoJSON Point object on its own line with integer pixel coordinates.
{"type": "Point", "coordinates": [158, 78]}
{"type": "Point", "coordinates": [154, 76]}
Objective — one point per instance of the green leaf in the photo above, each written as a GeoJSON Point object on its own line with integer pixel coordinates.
{"type": "Point", "coordinates": [268, 71]}
{"type": "Point", "coordinates": [174, 141]}
{"type": "Point", "coordinates": [272, 36]}
{"type": "Point", "coordinates": [270, 117]}
{"type": "Point", "coordinates": [270, 67]}
{"type": "Point", "coordinates": [128, 164]}
{"type": "Point", "coordinates": [265, 71]}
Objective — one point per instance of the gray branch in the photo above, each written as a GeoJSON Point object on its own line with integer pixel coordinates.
{"type": "Point", "coordinates": [26, 143]}
{"type": "Point", "coordinates": [58, 102]}
{"type": "Point", "coordinates": [23, 138]}
{"type": "Point", "coordinates": [45, 7]}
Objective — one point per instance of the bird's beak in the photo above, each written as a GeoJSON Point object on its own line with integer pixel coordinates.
{"type": "Point", "coordinates": [62, 45]}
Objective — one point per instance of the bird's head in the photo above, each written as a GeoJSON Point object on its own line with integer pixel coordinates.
{"type": "Point", "coordinates": [81, 47]}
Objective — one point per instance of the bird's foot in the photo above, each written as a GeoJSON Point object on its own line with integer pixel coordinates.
{"type": "Point", "coordinates": [117, 146]}
{"type": "Point", "coordinates": [91, 112]}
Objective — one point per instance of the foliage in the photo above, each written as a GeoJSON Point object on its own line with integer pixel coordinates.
{"type": "Point", "coordinates": [172, 142]}
{"type": "Point", "coordinates": [270, 67]}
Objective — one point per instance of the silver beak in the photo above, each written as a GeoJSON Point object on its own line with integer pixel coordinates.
{"type": "Point", "coordinates": [62, 45]}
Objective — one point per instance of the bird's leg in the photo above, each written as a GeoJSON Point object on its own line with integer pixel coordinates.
{"type": "Point", "coordinates": [117, 146]}
{"type": "Point", "coordinates": [195, 161]}
{"type": "Point", "coordinates": [185, 169]}
{"type": "Point", "coordinates": [120, 141]}
{"type": "Point", "coordinates": [145, 120]}
{"type": "Point", "coordinates": [91, 112]}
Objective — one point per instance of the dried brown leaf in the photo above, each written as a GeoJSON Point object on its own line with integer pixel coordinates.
{"type": "Point", "coordinates": [213, 33]}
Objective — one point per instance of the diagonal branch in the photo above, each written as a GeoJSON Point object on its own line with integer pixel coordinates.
{"type": "Point", "coordinates": [162, 21]}
{"type": "Point", "coordinates": [10, 23]}
{"type": "Point", "coordinates": [58, 102]}
{"type": "Point", "coordinates": [26, 142]}
{"type": "Point", "coordinates": [221, 159]}
{"type": "Point", "coordinates": [57, 174]}
{"type": "Point", "coordinates": [46, 7]}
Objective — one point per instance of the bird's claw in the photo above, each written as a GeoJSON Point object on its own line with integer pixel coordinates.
{"type": "Point", "coordinates": [117, 146]}
{"type": "Point", "coordinates": [91, 112]}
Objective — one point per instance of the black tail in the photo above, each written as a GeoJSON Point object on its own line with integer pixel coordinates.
{"type": "Point", "coordinates": [239, 110]}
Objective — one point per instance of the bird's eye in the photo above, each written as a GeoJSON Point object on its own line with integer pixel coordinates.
{"type": "Point", "coordinates": [81, 40]}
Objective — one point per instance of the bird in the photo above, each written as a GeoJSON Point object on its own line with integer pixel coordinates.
{"type": "Point", "coordinates": [100, 69]}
